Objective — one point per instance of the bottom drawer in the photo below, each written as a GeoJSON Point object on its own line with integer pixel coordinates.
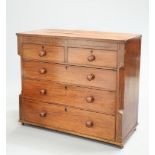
{"type": "Point", "coordinates": [70, 119]}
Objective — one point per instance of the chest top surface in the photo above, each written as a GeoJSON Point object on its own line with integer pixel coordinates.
{"type": "Point", "coordinates": [81, 34]}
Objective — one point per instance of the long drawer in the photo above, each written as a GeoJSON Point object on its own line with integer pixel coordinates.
{"type": "Point", "coordinates": [70, 74]}
{"type": "Point", "coordinates": [85, 98]}
{"type": "Point", "coordinates": [71, 119]}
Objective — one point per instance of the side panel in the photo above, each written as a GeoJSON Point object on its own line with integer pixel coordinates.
{"type": "Point", "coordinates": [127, 89]}
{"type": "Point", "coordinates": [131, 86]}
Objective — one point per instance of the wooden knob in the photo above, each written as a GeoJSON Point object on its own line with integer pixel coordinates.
{"type": "Point", "coordinates": [42, 53]}
{"type": "Point", "coordinates": [43, 91]}
{"type": "Point", "coordinates": [91, 58]}
{"type": "Point", "coordinates": [90, 99]}
{"type": "Point", "coordinates": [42, 71]}
{"type": "Point", "coordinates": [89, 124]}
{"type": "Point", "coordinates": [90, 77]}
{"type": "Point", "coordinates": [43, 114]}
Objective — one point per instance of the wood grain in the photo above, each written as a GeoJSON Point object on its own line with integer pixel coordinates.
{"type": "Point", "coordinates": [104, 101]}
{"type": "Point", "coordinates": [72, 119]}
{"type": "Point", "coordinates": [81, 82]}
{"type": "Point", "coordinates": [52, 53]}
{"type": "Point", "coordinates": [131, 85]}
{"type": "Point", "coordinates": [82, 34]}
{"type": "Point", "coordinates": [70, 74]}
{"type": "Point", "coordinates": [101, 57]}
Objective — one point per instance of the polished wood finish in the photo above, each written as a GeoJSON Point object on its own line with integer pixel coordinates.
{"type": "Point", "coordinates": [131, 78]}
{"type": "Point", "coordinates": [83, 98]}
{"type": "Point", "coordinates": [85, 122]}
{"type": "Point", "coordinates": [92, 57]}
{"type": "Point", "coordinates": [90, 99]}
{"type": "Point", "coordinates": [43, 52]}
{"type": "Point", "coordinates": [109, 36]}
{"type": "Point", "coordinates": [43, 114]}
{"type": "Point", "coordinates": [81, 82]}
{"type": "Point", "coordinates": [89, 124]}
{"type": "Point", "coordinates": [70, 74]}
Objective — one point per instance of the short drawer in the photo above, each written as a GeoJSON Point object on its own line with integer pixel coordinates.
{"type": "Point", "coordinates": [68, 119]}
{"type": "Point", "coordinates": [70, 74]}
{"type": "Point", "coordinates": [43, 52]}
{"type": "Point", "coordinates": [84, 98]}
{"type": "Point", "coordinates": [94, 57]}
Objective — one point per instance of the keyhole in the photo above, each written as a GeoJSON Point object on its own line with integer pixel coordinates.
{"type": "Point", "coordinates": [66, 87]}
{"type": "Point", "coordinates": [91, 51]}
{"type": "Point", "coordinates": [66, 67]}
{"type": "Point", "coordinates": [65, 109]}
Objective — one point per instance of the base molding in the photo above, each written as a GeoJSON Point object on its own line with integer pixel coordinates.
{"type": "Point", "coordinates": [119, 145]}
{"type": "Point", "coordinates": [130, 133]}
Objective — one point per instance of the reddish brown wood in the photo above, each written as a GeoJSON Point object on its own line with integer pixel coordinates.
{"type": "Point", "coordinates": [43, 91]}
{"type": "Point", "coordinates": [84, 122]}
{"type": "Point", "coordinates": [42, 70]}
{"type": "Point", "coordinates": [131, 86]}
{"type": "Point", "coordinates": [90, 77]}
{"type": "Point", "coordinates": [92, 57]}
{"type": "Point", "coordinates": [81, 34]}
{"type": "Point", "coordinates": [70, 74]}
{"type": "Point", "coordinates": [43, 52]}
{"type": "Point", "coordinates": [81, 82]}
{"type": "Point", "coordinates": [103, 101]}
{"type": "Point", "coordinates": [90, 99]}
{"type": "Point", "coordinates": [89, 124]}
{"type": "Point", "coordinates": [43, 114]}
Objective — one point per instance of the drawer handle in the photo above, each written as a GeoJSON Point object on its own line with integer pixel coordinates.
{"type": "Point", "coordinates": [91, 58]}
{"type": "Point", "coordinates": [43, 91]}
{"type": "Point", "coordinates": [90, 99]}
{"type": "Point", "coordinates": [43, 114]}
{"type": "Point", "coordinates": [90, 77]}
{"type": "Point", "coordinates": [42, 53]}
{"type": "Point", "coordinates": [42, 71]}
{"type": "Point", "coordinates": [89, 124]}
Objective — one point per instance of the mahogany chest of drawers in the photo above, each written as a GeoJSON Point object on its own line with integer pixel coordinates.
{"type": "Point", "coordinates": [80, 82]}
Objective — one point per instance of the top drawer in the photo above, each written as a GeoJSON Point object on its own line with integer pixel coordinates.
{"type": "Point", "coordinates": [94, 57]}
{"type": "Point", "coordinates": [43, 52]}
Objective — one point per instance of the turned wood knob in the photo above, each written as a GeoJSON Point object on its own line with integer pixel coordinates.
{"type": "Point", "coordinates": [42, 53]}
{"type": "Point", "coordinates": [89, 124]}
{"type": "Point", "coordinates": [42, 71]}
{"type": "Point", "coordinates": [90, 99]}
{"type": "Point", "coordinates": [90, 77]}
{"type": "Point", "coordinates": [43, 91]}
{"type": "Point", "coordinates": [91, 58]}
{"type": "Point", "coordinates": [43, 114]}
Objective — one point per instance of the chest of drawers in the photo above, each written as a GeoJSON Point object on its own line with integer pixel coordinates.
{"type": "Point", "coordinates": [80, 82]}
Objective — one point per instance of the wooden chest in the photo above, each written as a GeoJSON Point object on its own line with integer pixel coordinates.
{"type": "Point", "coordinates": [80, 82]}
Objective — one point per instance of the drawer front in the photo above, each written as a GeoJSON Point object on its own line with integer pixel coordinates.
{"type": "Point", "coordinates": [71, 119]}
{"type": "Point", "coordinates": [85, 98]}
{"type": "Point", "coordinates": [70, 74]}
{"type": "Point", "coordinates": [40, 52]}
{"type": "Point", "coordinates": [85, 56]}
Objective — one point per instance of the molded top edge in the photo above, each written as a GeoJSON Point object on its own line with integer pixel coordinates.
{"type": "Point", "coordinates": [114, 36]}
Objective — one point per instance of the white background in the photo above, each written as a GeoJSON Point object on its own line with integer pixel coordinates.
{"type": "Point", "coordinates": [99, 15]}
